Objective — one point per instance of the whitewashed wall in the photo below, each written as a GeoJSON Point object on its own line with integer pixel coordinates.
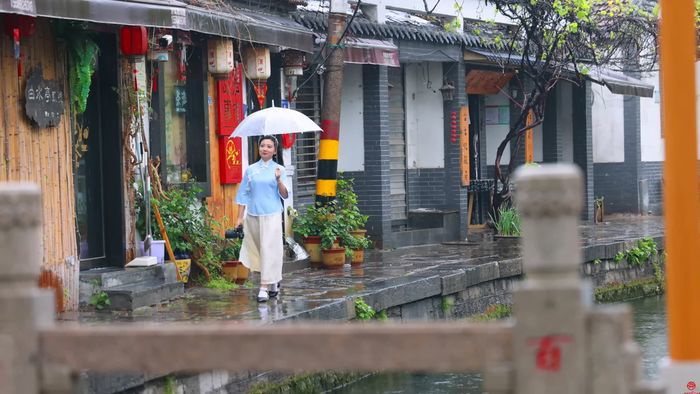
{"type": "Point", "coordinates": [425, 147]}
{"type": "Point", "coordinates": [652, 144]}
{"type": "Point", "coordinates": [351, 156]}
{"type": "Point", "coordinates": [608, 126]}
{"type": "Point", "coordinates": [472, 9]}
{"type": "Point", "coordinates": [565, 120]}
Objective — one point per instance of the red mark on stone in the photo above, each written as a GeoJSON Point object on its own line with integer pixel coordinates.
{"type": "Point", "coordinates": [691, 386]}
{"type": "Point", "coordinates": [548, 356]}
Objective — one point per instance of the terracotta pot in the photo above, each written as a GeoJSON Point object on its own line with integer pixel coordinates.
{"type": "Point", "coordinates": [230, 269]}
{"type": "Point", "coordinates": [312, 244]}
{"type": "Point", "coordinates": [359, 232]}
{"type": "Point", "coordinates": [358, 257]}
{"type": "Point", "coordinates": [333, 258]}
{"type": "Point", "coordinates": [242, 274]}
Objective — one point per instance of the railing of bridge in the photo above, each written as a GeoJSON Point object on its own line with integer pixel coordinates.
{"type": "Point", "coordinates": [557, 342]}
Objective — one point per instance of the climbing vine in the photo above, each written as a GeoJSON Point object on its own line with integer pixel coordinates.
{"type": "Point", "coordinates": [82, 60]}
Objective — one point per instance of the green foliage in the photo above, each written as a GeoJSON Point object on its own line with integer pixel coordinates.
{"type": "Point", "coordinates": [508, 221]}
{"type": "Point", "coordinates": [248, 284]}
{"type": "Point", "coordinates": [99, 300]}
{"type": "Point", "coordinates": [446, 304]}
{"type": "Point", "coordinates": [494, 312]}
{"type": "Point", "coordinates": [82, 60]}
{"type": "Point", "coordinates": [190, 226]}
{"type": "Point", "coordinates": [307, 383]}
{"type": "Point", "coordinates": [230, 249]}
{"type": "Point", "coordinates": [363, 311]}
{"type": "Point", "coordinates": [596, 262]}
{"type": "Point", "coordinates": [382, 316]}
{"type": "Point", "coordinates": [221, 283]}
{"type": "Point", "coordinates": [637, 256]}
{"type": "Point", "coordinates": [169, 387]}
{"type": "Point", "coordinates": [618, 291]}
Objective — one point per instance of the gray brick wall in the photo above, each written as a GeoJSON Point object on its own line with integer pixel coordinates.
{"type": "Point", "coordinates": [583, 141]}
{"type": "Point", "coordinates": [653, 171]}
{"type": "Point", "coordinates": [426, 188]}
{"type": "Point", "coordinates": [373, 187]}
{"type": "Point", "coordinates": [456, 196]}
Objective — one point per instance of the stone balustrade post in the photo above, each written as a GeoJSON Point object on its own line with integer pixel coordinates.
{"type": "Point", "coordinates": [24, 308]}
{"type": "Point", "coordinates": [552, 302]}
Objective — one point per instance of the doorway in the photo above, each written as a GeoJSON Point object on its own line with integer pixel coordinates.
{"type": "Point", "coordinates": [98, 166]}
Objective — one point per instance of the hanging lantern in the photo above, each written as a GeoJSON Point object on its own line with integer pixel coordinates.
{"type": "Point", "coordinates": [257, 63]}
{"type": "Point", "coordinates": [18, 26]}
{"type": "Point", "coordinates": [220, 56]}
{"type": "Point", "coordinates": [133, 40]}
{"type": "Point", "coordinates": [293, 63]}
{"type": "Point", "coordinates": [447, 90]}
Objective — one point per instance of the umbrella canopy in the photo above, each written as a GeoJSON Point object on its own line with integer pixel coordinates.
{"type": "Point", "coordinates": [274, 121]}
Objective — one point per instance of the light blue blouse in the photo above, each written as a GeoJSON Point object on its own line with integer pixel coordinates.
{"type": "Point", "coordinates": [259, 191]}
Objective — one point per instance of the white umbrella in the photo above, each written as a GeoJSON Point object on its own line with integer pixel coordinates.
{"type": "Point", "coordinates": [274, 120]}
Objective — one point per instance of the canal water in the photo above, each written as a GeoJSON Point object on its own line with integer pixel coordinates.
{"type": "Point", "coordinates": [649, 332]}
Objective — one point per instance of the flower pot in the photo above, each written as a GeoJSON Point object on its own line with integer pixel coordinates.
{"type": "Point", "coordinates": [358, 257]}
{"type": "Point", "coordinates": [242, 274]}
{"type": "Point", "coordinates": [230, 269]}
{"type": "Point", "coordinates": [359, 232]}
{"type": "Point", "coordinates": [333, 258]}
{"type": "Point", "coordinates": [183, 267]}
{"type": "Point", "coordinates": [312, 244]}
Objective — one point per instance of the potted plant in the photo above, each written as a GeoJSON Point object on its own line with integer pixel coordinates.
{"type": "Point", "coordinates": [507, 223]}
{"type": "Point", "coordinates": [357, 245]}
{"type": "Point", "coordinates": [599, 208]}
{"type": "Point", "coordinates": [332, 229]}
{"type": "Point", "coordinates": [230, 264]}
{"type": "Point", "coordinates": [307, 226]}
{"type": "Point", "coordinates": [347, 207]}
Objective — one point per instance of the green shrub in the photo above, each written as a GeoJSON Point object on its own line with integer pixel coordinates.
{"type": "Point", "coordinates": [507, 221]}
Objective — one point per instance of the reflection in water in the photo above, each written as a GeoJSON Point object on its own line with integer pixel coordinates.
{"type": "Point", "coordinates": [650, 334]}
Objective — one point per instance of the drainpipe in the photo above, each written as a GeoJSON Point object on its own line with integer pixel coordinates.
{"type": "Point", "coordinates": [330, 110]}
{"type": "Point", "coordinates": [681, 206]}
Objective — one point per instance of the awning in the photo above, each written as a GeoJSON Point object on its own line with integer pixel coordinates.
{"type": "Point", "coordinates": [619, 83]}
{"type": "Point", "coordinates": [243, 25]}
{"type": "Point", "coordinates": [368, 51]}
{"type": "Point", "coordinates": [487, 82]}
{"type": "Point", "coordinates": [616, 82]}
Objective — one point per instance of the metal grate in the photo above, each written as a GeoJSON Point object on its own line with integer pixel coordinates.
{"type": "Point", "coordinates": [308, 102]}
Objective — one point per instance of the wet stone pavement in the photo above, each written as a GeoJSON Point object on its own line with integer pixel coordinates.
{"type": "Point", "coordinates": [315, 293]}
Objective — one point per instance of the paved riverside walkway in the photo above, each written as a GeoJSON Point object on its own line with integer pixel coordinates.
{"type": "Point", "coordinates": [314, 293]}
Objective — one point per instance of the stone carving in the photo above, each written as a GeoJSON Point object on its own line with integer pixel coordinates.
{"type": "Point", "coordinates": [20, 206]}
{"type": "Point", "coordinates": [551, 190]}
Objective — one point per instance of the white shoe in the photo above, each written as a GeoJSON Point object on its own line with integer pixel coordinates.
{"type": "Point", "coordinates": [262, 295]}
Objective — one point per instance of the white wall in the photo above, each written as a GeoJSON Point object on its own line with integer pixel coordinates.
{"type": "Point", "coordinates": [351, 156]}
{"type": "Point", "coordinates": [425, 146]}
{"type": "Point", "coordinates": [650, 115]}
{"type": "Point", "coordinates": [608, 126]}
{"type": "Point", "coordinates": [496, 133]}
{"type": "Point", "coordinates": [565, 119]}
{"type": "Point", "coordinates": [472, 9]}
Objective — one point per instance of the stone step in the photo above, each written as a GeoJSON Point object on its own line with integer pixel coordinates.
{"type": "Point", "coordinates": [132, 296]}
{"type": "Point", "coordinates": [103, 279]}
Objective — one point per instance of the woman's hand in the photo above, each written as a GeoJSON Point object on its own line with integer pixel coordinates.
{"type": "Point", "coordinates": [278, 173]}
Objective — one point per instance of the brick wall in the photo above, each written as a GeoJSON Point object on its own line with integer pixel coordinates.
{"type": "Point", "coordinates": [652, 171]}
{"type": "Point", "coordinates": [426, 188]}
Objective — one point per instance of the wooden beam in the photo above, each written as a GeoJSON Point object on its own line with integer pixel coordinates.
{"type": "Point", "coordinates": [165, 348]}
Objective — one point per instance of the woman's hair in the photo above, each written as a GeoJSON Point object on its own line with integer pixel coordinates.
{"type": "Point", "coordinates": [268, 137]}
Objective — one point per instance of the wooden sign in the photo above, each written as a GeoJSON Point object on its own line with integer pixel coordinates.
{"type": "Point", "coordinates": [529, 143]}
{"type": "Point", "coordinates": [230, 163]}
{"type": "Point", "coordinates": [230, 102]}
{"type": "Point", "coordinates": [44, 101]}
{"type": "Point", "coordinates": [464, 122]}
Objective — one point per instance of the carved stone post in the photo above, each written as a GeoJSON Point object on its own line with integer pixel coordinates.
{"type": "Point", "coordinates": [24, 308]}
{"type": "Point", "coordinates": [552, 302]}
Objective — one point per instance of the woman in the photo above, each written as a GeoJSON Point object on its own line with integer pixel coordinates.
{"type": "Point", "coordinates": [259, 197]}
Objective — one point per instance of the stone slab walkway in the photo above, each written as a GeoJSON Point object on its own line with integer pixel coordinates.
{"type": "Point", "coordinates": [386, 279]}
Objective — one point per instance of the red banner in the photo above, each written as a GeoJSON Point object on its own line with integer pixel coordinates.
{"type": "Point", "coordinates": [230, 163]}
{"type": "Point", "coordinates": [229, 106]}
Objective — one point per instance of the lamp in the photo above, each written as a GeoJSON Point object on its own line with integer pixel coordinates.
{"type": "Point", "coordinates": [447, 90]}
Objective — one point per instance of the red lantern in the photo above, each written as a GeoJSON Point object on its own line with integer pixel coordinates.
{"type": "Point", "coordinates": [134, 40]}
{"type": "Point", "coordinates": [25, 24]}
{"type": "Point", "coordinates": [288, 140]}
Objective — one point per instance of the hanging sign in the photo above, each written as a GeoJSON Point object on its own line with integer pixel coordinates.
{"type": "Point", "coordinates": [26, 6]}
{"type": "Point", "coordinates": [529, 143]}
{"type": "Point", "coordinates": [464, 144]}
{"type": "Point", "coordinates": [230, 102]}
{"type": "Point", "coordinates": [44, 101]}
{"type": "Point", "coordinates": [180, 99]}
{"type": "Point", "coordinates": [230, 164]}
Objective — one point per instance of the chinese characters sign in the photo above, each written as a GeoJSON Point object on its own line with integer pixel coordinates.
{"type": "Point", "coordinates": [231, 170]}
{"type": "Point", "coordinates": [44, 101]}
{"type": "Point", "coordinates": [230, 102]}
